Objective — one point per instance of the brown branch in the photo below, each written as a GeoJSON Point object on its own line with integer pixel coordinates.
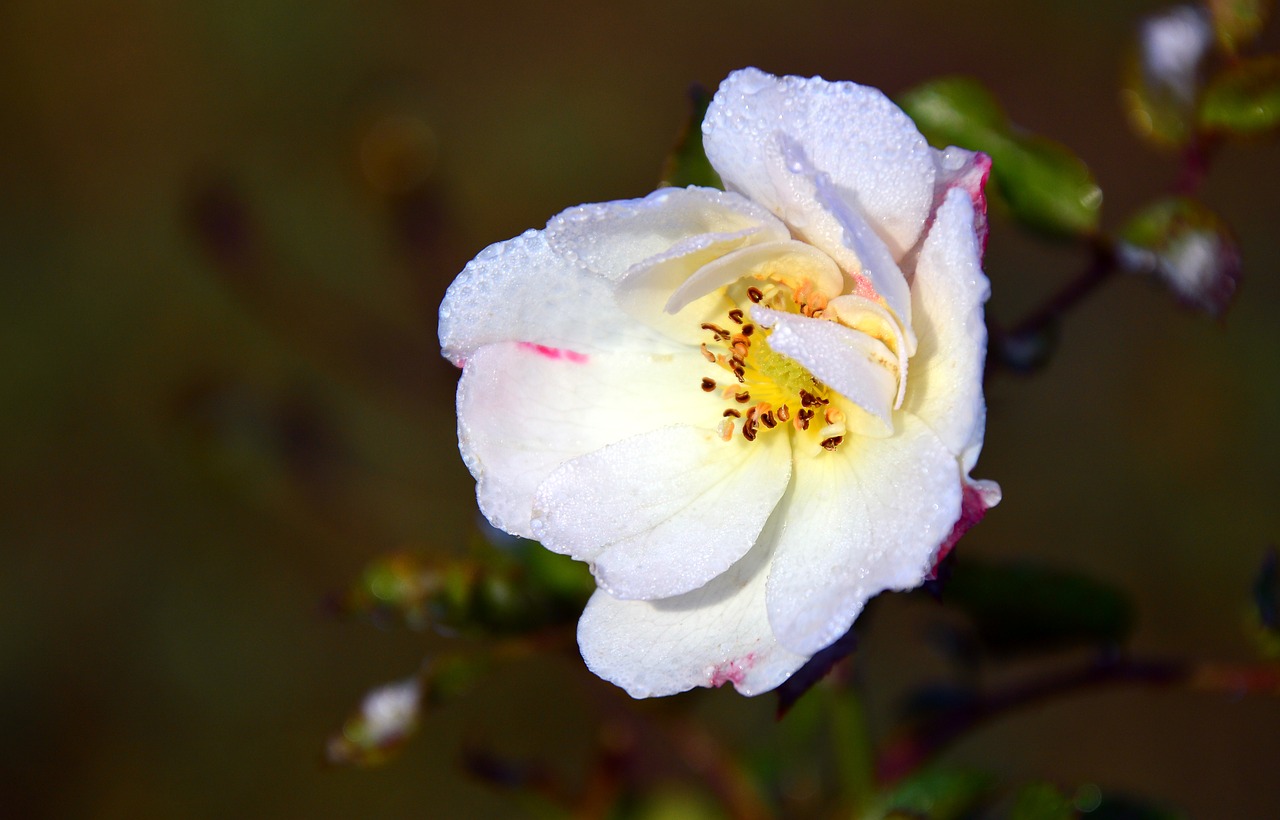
{"type": "Point", "coordinates": [910, 748]}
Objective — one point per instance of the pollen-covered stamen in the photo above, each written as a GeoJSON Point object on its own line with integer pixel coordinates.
{"type": "Point", "coordinates": [777, 391]}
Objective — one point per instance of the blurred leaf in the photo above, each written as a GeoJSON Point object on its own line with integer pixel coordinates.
{"type": "Point", "coordinates": [1044, 184]}
{"type": "Point", "coordinates": [496, 592]}
{"type": "Point", "coordinates": [1244, 99]}
{"type": "Point", "coordinates": [937, 794]}
{"type": "Point", "coordinates": [1162, 78]}
{"type": "Point", "coordinates": [1123, 807]}
{"type": "Point", "coordinates": [1266, 604]}
{"type": "Point", "coordinates": [687, 164]}
{"type": "Point", "coordinates": [1041, 801]}
{"type": "Point", "coordinates": [1022, 608]}
{"type": "Point", "coordinates": [675, 803]}
{"type": "Point", "coordinates": [378, 730]}
{"type": "Point", "coordinates": [1238, 22]}
{"type": "Point", "coordinates": [1188, 248]}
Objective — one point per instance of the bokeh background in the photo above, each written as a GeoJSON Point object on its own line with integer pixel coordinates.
{"type": "Point", "coordinates": [224, 232]}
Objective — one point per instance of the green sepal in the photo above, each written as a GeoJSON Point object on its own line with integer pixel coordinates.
{"type": "Point", "coordinates": [1044, 184]}
{"type": "Point", "coordinates": [1243, 100]}
{"type": "Point", "coordinates": [1155, 114]}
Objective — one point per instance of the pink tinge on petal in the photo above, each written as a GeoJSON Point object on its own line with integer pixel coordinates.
{"type": "Point", "coordinates": [734, 671]}
{"type": "Point", "coordinates": [862, 287]}
{"type": "Point", "coordinates": [971, 177]}
{"type": "Point", "coordinates": [555, 352]}
{"type": "Point", "coordinates": [973, 507]}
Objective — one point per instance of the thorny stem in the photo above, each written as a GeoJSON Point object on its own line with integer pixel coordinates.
{"type": "Point", "coordinates": [914, 746]}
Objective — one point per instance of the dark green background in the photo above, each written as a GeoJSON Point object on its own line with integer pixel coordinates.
{"type": "Point", "coordinates": [221, 396]}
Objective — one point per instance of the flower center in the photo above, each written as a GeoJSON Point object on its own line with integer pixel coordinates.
{"type": "Point", "coordinates": [765, 390]}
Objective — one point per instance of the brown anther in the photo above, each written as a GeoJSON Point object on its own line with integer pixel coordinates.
{"type": "Point", "coordinates": [707, 354]}
{"type": "Point", "coordinates": [755, 294]}
{"type": "Point", "coordinates": [807, 399]}
{"type": "Point", "coordinates": [784, 413]}
{"type": "Point", "coordinates": [736, 316]}
{"type": "Point", "coordinates": [833, 442]}
{"type": "Point", "coordinates": [742, 398]}
{"type": "Point", "coordinates": [768, 421]}
{"type": "Point", "coordinates": [739, 372]}
{"type": "Point", "coordinates": [720, 333]}
{"type": "Point", "coordinates": [749, 428]}
{"type": "Point", "coordinates": [732, 412]}
{"type": "Point", "coordinates": [708, 385]}
{"type": "Point", "coordinates": [747, 330]}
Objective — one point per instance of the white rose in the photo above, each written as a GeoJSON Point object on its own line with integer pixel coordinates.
{"type": "Point", "coordinates": [749, 410]}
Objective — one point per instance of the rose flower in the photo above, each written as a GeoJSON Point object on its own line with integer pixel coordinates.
{"type": "Point", "coordinates": [748, 410]}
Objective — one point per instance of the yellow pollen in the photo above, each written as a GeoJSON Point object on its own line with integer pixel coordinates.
{"type": "Point", "coordinates": [779, 392]}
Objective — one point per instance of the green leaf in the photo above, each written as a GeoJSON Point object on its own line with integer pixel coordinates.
{"type": "Point", "coordinates": [1044, 184]}
{"type": "Point", "coordinates": [1186, 246]}
{"type": "Point", "coordinates": [1041, 801]}
{"type": "Point", "coordinates": [1238, 22]}
{"type": "Point", "coordinates": [937, 794]}
{"type": "Point", "coordinates": [687, 164]}
{"type": "Point", "coordinates": [512, 591]}
{"type": "Point", "coordinates": [1265, 615]}
{"type": "Point", "coordinates": [1024, 608]}
{"type": "Point", "coordinates": [1244, 99]}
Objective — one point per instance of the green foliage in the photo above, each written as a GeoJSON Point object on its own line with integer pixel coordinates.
{"type": "Point", "coordinates": [1041, 801]}
{"type": "Point", "coordinates": [936, 794]}
{"type": "Point", "coordinates": [1244, 99]}
{"type": "Point", "coordinates": [1265, 612]}
{"type": "Point", "coordinates": [1238, 22]}
{"type": "Point", "coordinates": [1024, 608]}
{"type": "Point", "coordinates": [1044, 184]}
{"type": "Point", "coordinates": [687, 164]}
{"type": "Point", "coordinates": [494, 592]}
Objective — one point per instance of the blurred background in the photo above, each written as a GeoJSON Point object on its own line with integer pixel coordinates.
{"type": "Point", "coordinates": [224, 232]}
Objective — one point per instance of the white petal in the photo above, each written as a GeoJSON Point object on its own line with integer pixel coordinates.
{"type": "Point", "coordinates": [789, 262]}
{"type": "Point", "coordinates": [852, 363]}
{"type": "Point", "coordinates": [521, 290]}
{"type": "Point", "coordinates": [525, 410]}
{"type": "Point", "coordinates": [869, 147]}
{"type": "Point", "coordinates": [610, 238]}
{"type": "Point", "coordinates": [945, 388]}
{"type": "Point", "coordinates": [871, 258]}
{"type": "Point", "coordinates": [968, 171]}
{"type": "Point", "coordinates": [664, 512]}
{"type": "Point", "coordinates": [864, 518]}
{"type": "Point", "coordinates": [861, 313]}
{"type": "Point", "coordinates": [714, 635]}
{"type": "Point", "coordinates": [715, 223]}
